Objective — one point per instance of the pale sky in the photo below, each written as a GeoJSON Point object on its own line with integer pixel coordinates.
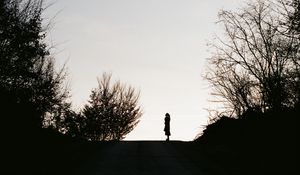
{"type": "Point", "coordinates": [157, 46]}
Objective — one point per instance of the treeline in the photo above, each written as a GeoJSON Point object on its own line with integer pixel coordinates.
{"type": "Point", "coordinates": [33, 94]}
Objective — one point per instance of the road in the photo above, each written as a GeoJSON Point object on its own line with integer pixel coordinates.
{"type": "Point", "coordinates": [144, 157]}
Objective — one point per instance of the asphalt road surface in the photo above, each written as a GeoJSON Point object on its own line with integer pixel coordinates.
{"type": "Point", "coordinates": [144, 157]}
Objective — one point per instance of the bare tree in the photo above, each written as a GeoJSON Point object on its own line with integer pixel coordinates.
{"type": "Point", "coordinates": [112, 111]}
{"type": "Point", "coordinates": [290, 11]}
{"type": "Point", "coordinates": [253, 66]}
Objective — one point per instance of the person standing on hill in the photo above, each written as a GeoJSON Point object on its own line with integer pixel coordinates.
{"type": "Point", "coordinates": [167, 126]}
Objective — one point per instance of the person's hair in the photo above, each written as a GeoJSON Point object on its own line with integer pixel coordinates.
{"type": "Point", "coordinates": [167, 114]}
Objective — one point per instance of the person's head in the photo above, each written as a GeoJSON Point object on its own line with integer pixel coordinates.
{"type": "Point", "coordinates": [167, 115]}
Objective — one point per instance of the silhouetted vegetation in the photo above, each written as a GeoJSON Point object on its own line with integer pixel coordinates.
{"type": "Point", "coordinates": [294, 15]}
{"type": "Point", "coordinates": [35, 111]}
{"type": "Point", "coordinates": [256, 66]}
{"type": "Point", "coordinates": [30, 88]}
{"type": "Point", "coordinates": [112, 111]}
{"type": "Point", "coordinates": [32, 92]}
{"type": "Point", "coordinates": [255, 70]}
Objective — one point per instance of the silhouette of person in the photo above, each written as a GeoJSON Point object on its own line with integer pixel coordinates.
{"type": "Point", "coordinates": [167, 126]}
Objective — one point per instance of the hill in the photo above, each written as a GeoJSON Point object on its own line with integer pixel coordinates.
{"type": "Point", "coordinates": [255, 144]}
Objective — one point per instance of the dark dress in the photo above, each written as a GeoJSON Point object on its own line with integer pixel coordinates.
{"type": "Point", "coordinates": [167, 126]}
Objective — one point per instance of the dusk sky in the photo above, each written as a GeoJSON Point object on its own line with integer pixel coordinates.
{"type": "Point", "coordinates": [157, 46]}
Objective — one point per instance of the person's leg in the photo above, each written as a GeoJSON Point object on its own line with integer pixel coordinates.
{"type": "Point", "coordinates": [167, 137]}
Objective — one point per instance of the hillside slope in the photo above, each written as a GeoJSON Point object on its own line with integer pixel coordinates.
{"type": "Point", "coordinates": [255, 144]}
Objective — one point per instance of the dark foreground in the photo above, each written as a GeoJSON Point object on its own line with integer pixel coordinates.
{"type": "Point", "coordinates": [125, 157]}
{"type": "Point", "coordinates": [145, 157]}
{"type": "Point", "coordinates": [259, 145]}
{"type": "Point", "coordinates": [139, 157]}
